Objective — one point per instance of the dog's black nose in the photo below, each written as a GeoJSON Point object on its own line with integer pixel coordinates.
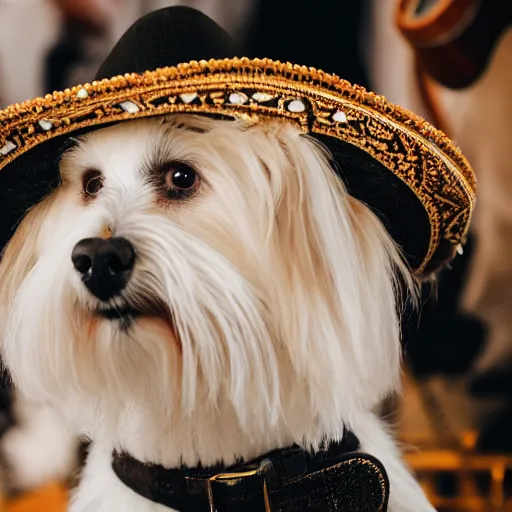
{"type": "Point", "coordinates": [105, 265]}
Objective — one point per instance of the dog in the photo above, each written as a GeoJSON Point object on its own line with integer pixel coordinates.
{"type": "Point", "coordinates": [201, 290]}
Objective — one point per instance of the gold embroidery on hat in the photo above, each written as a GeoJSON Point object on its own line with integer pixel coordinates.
{"type": "Point", "coordinates": [253, 90]}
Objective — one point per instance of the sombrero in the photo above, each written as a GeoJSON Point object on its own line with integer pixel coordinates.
{"type": "Point", "coordinates": [178, 60]}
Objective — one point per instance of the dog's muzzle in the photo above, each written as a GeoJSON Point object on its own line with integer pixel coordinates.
{"type": "Point", "coordinates": [105, 265]}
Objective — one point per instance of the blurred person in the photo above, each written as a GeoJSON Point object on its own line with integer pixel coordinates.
{"type": "Point", "coordinates": [457, 66]}
{"type": "Point", "coordinates": [446, 339]}
{"type": "Point", "coordinates": [464, 63]}
{"type": "Point", "coordinates": [467, 76]}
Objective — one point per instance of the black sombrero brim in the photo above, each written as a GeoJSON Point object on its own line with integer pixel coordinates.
{"type": "Point", "coordinates": [409, 173]}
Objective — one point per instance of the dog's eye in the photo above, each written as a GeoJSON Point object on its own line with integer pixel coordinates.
{"type": "Point", "coordinates": [92, 182]}
{"type": "Point", "coordinates": [180, 179]}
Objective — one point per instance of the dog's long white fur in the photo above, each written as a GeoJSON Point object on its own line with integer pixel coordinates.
{"type": "Point", "coordinates": [282, 288]}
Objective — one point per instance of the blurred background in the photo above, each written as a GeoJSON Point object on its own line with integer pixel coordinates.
{"type": "Point", "coordinates": [448, 60]}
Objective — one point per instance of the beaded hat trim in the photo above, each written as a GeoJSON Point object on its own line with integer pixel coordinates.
{"type": "Point", "coordinates": [417, 153]}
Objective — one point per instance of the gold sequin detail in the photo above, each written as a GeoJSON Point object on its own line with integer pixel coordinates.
{"type": "Point", "coordinates": [420, 155]}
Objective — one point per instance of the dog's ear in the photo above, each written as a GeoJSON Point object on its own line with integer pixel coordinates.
{"type": "Point", "coordinates": [20, 254]}
{"type": "Point", "coordinates": [342, 320]}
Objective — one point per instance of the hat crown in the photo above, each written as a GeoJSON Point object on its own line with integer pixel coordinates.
{"type": "Point", "coordinates": [165, 38]}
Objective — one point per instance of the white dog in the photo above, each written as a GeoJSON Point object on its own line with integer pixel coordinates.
{"type": "Point", "coordinates": [201, 290]}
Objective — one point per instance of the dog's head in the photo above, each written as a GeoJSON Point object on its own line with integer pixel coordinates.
{"type": "Point", "coordinates": [191, 264]}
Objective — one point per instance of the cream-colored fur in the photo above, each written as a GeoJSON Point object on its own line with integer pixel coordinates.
{"type": "Point", "coordinates": [280, 286]}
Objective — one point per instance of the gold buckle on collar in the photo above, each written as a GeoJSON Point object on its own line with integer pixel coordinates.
{"type": "Point", "coordinates": [230, 476]}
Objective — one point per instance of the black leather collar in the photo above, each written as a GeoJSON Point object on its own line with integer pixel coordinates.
{"type": "Point", "coordinates": [338, 479]}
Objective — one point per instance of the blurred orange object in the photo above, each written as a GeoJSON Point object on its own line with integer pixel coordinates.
{"type": "Point", "coordinates": [454, 39]}
{"type": "Point", "coordinates": [51, 498]}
